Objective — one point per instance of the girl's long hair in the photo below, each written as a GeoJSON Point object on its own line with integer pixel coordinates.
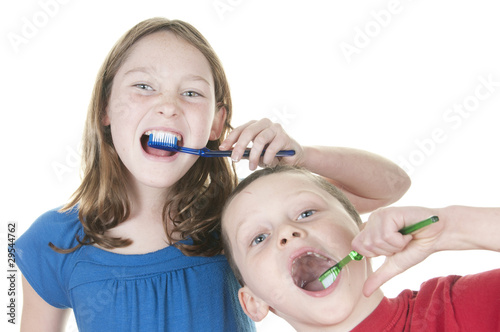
{"type": "Point", "coordinates": [195, 201]}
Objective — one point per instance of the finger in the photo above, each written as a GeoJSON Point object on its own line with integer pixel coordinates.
{"type": "Point", "coordinates": [247, 135]}
{"type": "Point", "coordinates": [369, 249]}
{"type": "Point", "coordinates": [272, 164]}
{"type": "Point", "coordinates": [260, 142]}
{"type": "Point", "coordinates": [281, 141]}
{"type": "Point", "coordinates": [233, 136]}
{"type": "Point", "coordinates": [370, 244]}
{"type": "Point", "coordinates": [389, 245]}
{"type": "Point", "coordinates": [384, 273]}
{"type": "Point", "coordinates": [272, 140]}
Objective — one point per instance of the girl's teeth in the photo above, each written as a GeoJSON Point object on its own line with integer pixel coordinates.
{"type": "Point", "coordinates": [154, 132]}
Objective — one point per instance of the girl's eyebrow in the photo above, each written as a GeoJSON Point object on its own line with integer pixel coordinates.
{"type": "Point", "coordinates": [138, 70]}
{"type": "Point", "coordinates": [192, 77]}
{"type": "Point", "coordinates": [189, 77]}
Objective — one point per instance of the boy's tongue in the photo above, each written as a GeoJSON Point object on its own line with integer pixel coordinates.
{"type": "Point", "coordinates": [307, 269]}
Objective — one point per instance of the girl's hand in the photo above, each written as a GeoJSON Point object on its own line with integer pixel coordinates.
{"type": "Point", "coordinates": [380, 236]}
{"type": "Point", "coordinates": [264, 134]}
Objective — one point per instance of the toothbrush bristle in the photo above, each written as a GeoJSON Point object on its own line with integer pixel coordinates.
{"type": "Point", "coordinates": [162, 139]}
{"type": "Point", "coordinates": [328, 280]}
{"type": "Point", "coordinates": [329, 276]}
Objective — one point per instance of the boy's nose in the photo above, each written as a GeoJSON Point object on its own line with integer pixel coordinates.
{"type": "Point", "coordinates": [289, 233]}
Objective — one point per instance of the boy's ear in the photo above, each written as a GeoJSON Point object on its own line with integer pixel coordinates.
{"type": "Point", "coordinates": [218, 123]}
{"type": "Point", "coordinates": [254, 307]}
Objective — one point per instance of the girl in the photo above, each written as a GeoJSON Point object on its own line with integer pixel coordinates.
{"type": "Point", "coordinates": [137, 248]}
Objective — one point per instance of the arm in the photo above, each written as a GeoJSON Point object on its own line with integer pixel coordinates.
{"type": "Point", "coordinates": [459, 228]}
{"type": "Point", "coordinates": [470, 228]}
{"type": "Point", "coordinates": [368, 180]}
{"type": "Point", "coordinates": [38, 315]}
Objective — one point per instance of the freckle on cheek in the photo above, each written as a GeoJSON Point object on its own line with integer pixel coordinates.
{"type": "Point", "coordinates": [122, 110]}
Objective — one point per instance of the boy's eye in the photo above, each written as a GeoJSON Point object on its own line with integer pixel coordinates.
{"type": "Point", "coordinates": [191, 94]}
{"type": "Point", "coordinates": [259, 238]}
{"type": "Point", "coordinates": [143, 86]}
{"type": "Point", "coordinates": [306, 214]}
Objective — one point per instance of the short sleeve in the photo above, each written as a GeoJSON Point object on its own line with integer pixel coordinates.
{"type": "Point", "coordinates": [48, 271]}
{"type": "Point", "coordinates": [453, 303]}
{"type": "Point", "coordinates": [476, 301]}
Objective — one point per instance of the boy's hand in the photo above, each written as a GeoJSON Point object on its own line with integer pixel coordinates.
{"type": "Point", "coordinates": [380, 236]}
{"type": "Point", "coordinates": [264, 134]}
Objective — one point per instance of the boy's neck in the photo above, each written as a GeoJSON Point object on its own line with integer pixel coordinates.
{"type": "Point", "coordinates": [362, 310]}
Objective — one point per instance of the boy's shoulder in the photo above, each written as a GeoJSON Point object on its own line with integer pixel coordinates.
{"type": "Point", "coordinates": [450, 303]}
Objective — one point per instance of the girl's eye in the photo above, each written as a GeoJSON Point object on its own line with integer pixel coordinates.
{"type": "Point", "coordinates": [306, 214]}
{"type": "Point", "coordinates": [259, 238]}
{"type": "Point", "coordinates": [191, 94]}
{"type": "Point", "coordinates": [144, 87]}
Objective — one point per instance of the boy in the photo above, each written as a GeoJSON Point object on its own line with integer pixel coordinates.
{"type": "Point", "coordinates": [283, 227]}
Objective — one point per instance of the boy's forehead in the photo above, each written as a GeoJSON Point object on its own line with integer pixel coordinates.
{"type": "Point", "coordinates": [276, 194]}
{"type": "Point", "coordinates": [279, 186]}
{"type": "Point", "coordinates": [268, 186]}
{"type": "Point", "coordinates": [285, 182]}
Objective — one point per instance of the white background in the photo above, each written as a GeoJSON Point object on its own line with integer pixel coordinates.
{"type": "Point", "coordinates": [411, 63]}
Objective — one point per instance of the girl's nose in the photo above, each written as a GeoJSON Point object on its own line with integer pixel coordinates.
{"type": "Point", "coordinates": [167, 106]}
{"type": "Point", "coordinates": [289, 233]}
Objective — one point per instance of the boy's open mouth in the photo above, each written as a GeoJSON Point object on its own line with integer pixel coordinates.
{"type": "Point", "coordinates": [157, 152]}
{"type": "Point", "coordinates": [307, 268]}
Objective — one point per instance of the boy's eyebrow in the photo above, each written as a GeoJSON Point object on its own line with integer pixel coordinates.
{"type": "Point", "coordinates": [243, 221]}
{"type": "Point", "coordinates": [243, 224]}
{"type": "Point", "coordinates": [148, 70]}
{"type": "Point", "coordinates": [243, 218]}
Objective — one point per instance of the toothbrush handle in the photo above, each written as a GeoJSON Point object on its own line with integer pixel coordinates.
{"type": "Point", "coordinates": [217, 153]}
{"type": "Point", "coordinates": [418, 225]}
{"type": "Point", "coordinates": [281, 153]}
{"type": "Point", "coordinates": [353, 255]}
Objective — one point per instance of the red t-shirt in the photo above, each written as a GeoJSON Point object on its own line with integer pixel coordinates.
{"type": "Point", "coordinates": [453, 303]}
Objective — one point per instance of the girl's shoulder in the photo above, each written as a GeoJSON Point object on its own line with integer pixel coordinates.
{"type": "Point", "coordinates": [48, 271]}
{"type": "Point", "coordinates": [56, 226]}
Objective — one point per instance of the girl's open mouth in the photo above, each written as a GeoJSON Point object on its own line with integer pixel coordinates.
{"type": "Point", "coordinates": [157, 152]}
{"type": "Point", "coordinates": [307, 268]}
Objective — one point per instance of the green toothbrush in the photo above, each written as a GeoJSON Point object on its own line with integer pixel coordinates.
{"type": "Point", "coordinates": [329, 276]}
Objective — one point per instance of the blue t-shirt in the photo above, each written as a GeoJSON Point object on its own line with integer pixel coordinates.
{"type": "Point", "coordinates": [158, 291]}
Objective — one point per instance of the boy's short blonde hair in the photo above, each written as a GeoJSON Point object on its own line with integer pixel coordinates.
{"type": "Point", "coordinates": [317, 180]}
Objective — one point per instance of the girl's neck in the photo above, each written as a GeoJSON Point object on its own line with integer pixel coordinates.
{"type": "Point", "coordinates": [145, 225]}
{"type": "Point", "coordinates": [146, 200]}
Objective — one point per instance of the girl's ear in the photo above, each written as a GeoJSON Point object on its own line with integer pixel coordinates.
{"type": "Point", "coordinates": [105, 119]}
{"type": "Point", "coordinates": [218, 124]}
{"type": "Point", "coordinates": [254, 307]}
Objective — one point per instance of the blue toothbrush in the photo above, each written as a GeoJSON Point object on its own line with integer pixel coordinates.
{"type": "Point", "coordinates": [168, 142]}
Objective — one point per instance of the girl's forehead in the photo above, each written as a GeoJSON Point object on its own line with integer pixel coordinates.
{"type": "Point", "coordinates": [165, 48]}
{"type": "Point", "coordinates": [162, 44]}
